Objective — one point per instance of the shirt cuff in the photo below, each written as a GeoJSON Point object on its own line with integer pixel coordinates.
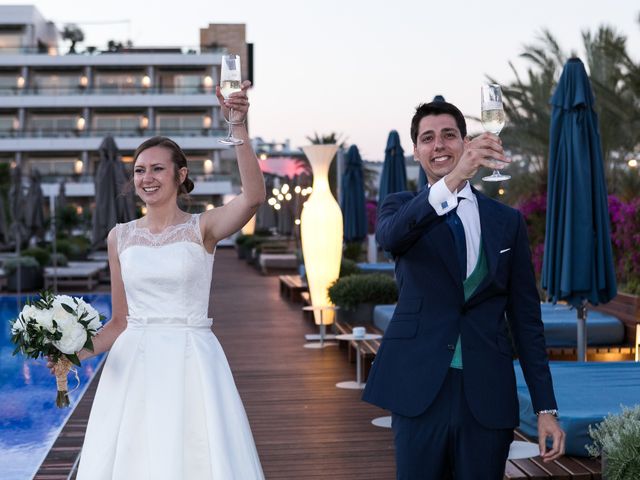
{"type": "Point", "coordinates": [441, 199]}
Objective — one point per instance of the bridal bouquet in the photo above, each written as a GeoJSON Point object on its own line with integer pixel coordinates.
{"type": "Point", "coordinates": [57, 327]}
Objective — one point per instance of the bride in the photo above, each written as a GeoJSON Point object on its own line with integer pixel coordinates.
{"type": "Point", "coordinates": [167, 406]}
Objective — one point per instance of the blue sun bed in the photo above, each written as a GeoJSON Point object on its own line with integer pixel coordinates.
{"type": "Point", "coordinates": [586, 393]}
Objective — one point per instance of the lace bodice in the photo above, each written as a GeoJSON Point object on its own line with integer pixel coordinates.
{"type": "Point", "coordinates": [165, 275]}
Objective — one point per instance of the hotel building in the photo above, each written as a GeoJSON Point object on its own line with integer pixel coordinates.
{"type": "Point", "coordinates": [57, 107]}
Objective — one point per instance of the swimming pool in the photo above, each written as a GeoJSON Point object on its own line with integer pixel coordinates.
{"type": "Point", "coordinates": [29, 420]}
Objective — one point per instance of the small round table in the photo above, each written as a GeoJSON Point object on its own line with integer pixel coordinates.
{"type": "Point", "coordinates": [349, 337]}
{"type": "Point", "coordinates": [322, 336]}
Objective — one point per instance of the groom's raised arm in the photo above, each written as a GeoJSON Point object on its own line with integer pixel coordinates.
{"type": "Point", "coordinates": [402, 218]}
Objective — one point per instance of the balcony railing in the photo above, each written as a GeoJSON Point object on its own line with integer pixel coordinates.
{"type": "Point", "coordinates": [93, 51]}
{"type": "Point", "coordinates": [107, 90]}
{"type": "Point", "coordinates": [99, 132]}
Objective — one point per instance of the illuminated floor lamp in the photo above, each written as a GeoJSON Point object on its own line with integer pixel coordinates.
{"type": "Point", "coordinates": [321, 235]}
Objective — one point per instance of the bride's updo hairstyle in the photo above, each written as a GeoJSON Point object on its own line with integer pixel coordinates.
{"type": "Point", "coordinates": [178, 158]}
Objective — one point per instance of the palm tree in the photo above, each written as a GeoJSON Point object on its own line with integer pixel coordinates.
{"type": "Point", "coordinates": [615, 80]}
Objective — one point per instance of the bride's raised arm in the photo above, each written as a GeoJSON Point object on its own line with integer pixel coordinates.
{"type": "Point", "coordinates": [221, 222]}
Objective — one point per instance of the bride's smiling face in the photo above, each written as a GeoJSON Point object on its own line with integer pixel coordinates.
{"type": "Point", "coordinates": [154, 176]}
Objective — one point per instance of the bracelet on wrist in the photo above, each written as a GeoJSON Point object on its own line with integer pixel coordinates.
{"type": "Point", "coordinates": [551, 411]}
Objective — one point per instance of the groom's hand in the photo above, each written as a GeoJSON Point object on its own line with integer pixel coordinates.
{"type": "Point", "coordinates": [548, 427]}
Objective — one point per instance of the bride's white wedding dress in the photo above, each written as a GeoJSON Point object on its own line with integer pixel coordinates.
{"type": "Point", "coordinates": [167, 406]}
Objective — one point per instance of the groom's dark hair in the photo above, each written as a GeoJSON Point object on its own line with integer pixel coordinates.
{"type": "Point", "coordinates": [437, 107]}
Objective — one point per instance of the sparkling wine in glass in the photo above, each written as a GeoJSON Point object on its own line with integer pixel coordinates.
{"type": "Point", "coordinates": [493, 120]}
{"type": "Point", "coordinates": [230, 81]}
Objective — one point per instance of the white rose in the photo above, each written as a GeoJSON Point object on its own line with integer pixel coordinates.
{"type": "Point", "coordinates": [18, 326]}
{"type": "Point", "coordinates": [94, 324]}
{"type": "Point", "coordinates": [44, 319]}
{"type": "Point", "coordinates": [74, 336]}
{"type": "Point", "coordinates": [60, 315]}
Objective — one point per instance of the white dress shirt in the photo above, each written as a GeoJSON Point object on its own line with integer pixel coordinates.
{"type": "Point", "coordinates": [443, 201]}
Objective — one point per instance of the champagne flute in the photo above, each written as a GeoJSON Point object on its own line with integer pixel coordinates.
{"type": "Point", "coordinates": [493, 120]}
{"type": "Point", "coordinates": [230, 82]}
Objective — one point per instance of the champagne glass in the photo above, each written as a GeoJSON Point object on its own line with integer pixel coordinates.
{"type": "Point", "coordinates": [230, 83]}
{"type": "Point", "coordinates": [493, 120]}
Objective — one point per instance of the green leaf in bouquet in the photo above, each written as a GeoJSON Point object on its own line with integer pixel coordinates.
{"type": "Point", "coordinates": [88, 344]}
{"type": "Point", "coordinates": [68, 308]}
{"type": "Point", "coordinates": [73, 358]}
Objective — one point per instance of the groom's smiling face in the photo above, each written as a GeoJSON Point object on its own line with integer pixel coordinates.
{"type": "Point", "coordinates": [439, 145]}
{"type": "Point", "coordinates": [154, 175]}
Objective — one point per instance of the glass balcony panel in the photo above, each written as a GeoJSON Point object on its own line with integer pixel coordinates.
{"type": "Point", "coordinates": [55, 84]}
{"type": "Point", "coordinates": [117, 83]}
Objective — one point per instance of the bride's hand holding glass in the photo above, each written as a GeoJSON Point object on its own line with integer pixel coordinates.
{"type": "Point", "coordinates": [234, 107]}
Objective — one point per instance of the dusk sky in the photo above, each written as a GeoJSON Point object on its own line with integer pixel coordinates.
{"type": "Point", "coordinates": [357, 67]}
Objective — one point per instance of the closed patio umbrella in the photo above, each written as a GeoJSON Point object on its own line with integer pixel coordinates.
{"type": "Point", "coordinates": [394, 173]}
{"type": "Point", "coordinates": [112, 205]}
{"type": "Point", "coordinates": [4, 228]}
{"type": "Point", "coordinates": [578, 261]}
{"type": "Point", "coordinates": [352, 199]}
{"type": "Point", "coordinates": [34, 207]}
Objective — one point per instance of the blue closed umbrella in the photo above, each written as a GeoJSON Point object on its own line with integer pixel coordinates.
{"type": "Point", "coordinates": [394, 172]}
{"type": "Point", "coordinates": [352, 199]}
{"type": "Point", "coordinates": [578, 262]}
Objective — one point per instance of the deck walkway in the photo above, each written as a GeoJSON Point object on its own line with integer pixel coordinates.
{"type": "Point", "coordinates": [304, 427]}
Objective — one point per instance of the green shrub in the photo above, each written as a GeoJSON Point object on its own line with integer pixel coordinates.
{"type": "Point", "coordinates": [61, 260]}
{"type": "Point", "coordinates": [241, 239]}
{"type": "Point", "coordinates": [617, 439]}
{"type": "Point", "coordinates": [11, 264]}
{"type": "Point", "coordinates": [352, 251]}
{"type": "Point", "coordinates": [347, 292]}
{"type": "Point", "coordinates": [348, 267]}
{"type": "Point", "coordinates": [74, 248]}
{"type": "Point", "coordinates": [39, 253]}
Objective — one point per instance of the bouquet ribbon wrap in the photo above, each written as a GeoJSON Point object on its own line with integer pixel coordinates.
{"type": "Point", "coordinates": [61, 369]}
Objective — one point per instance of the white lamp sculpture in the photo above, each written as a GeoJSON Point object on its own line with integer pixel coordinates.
{"type": "Point", "coordinates": [321, 234]}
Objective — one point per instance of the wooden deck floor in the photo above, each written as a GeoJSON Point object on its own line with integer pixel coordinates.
{"type": "Point", "coordinates": [304, 427]}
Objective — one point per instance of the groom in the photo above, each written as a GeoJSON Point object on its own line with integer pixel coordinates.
{"type": "Point", "coordinates": [466, 282]}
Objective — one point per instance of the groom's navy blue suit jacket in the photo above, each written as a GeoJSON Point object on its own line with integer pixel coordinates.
{"type": "Point", "coordinates": [418, 345]}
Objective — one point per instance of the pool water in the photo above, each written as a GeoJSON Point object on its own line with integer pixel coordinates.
{"type": "Point", "coordinates": [30, 422]}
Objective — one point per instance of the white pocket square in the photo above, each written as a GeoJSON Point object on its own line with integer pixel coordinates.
{"type": "Point", "coordinates": [505, 250]}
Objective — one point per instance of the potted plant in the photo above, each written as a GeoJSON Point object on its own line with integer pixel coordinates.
{"type": "Point", "coordinates": [241, 239]}
{"type": "Point", "coordinates": [617, 440]}
{"type": "Point", "coordinates": [31, 278]}
{"type": "Point", "coordinates": [358, 294]}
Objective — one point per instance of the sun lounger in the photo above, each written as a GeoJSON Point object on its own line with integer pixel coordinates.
{"type": "Point", "coordinates": [85, 275]}
{"type": "Point", "coordinates": [586, 393]}
{"type": "Point", "coordinates": [385, 268]}
{"type": "Point", "coordinates": [271, 262]}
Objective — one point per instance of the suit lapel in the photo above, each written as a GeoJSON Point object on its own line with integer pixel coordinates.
{"type": "Point", "coordinates": [442, 240]}
{"type": "Point", "coordinates": [492, 231]}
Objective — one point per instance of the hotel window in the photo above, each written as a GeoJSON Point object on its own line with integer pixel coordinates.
{"type": "Point", "coordinates": [8, 124]}
{"type": "Point", "coordinates": [116, 123]}
{"type": "Point", "coordinates": [52, 83]}
{"type": "Point", "coordinates": [11, 39]}
{"type": "Point", "coordinates": [44, 124]}
{"type": "Point", "coordinates": [180, 82]}
{"type": "Point", "coordinates": [52, 167]}
{"type": "Point", "coordinates": [8, 83]}
{"type": "Point", "coordinates": [118, 82]}
{"type": "Point", "coordinates": [180, 124]}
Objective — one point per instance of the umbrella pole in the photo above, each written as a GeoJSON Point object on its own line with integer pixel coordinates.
{"type": "Point", "coordinates": [582, 332]}
{"type": "Point", "coordinates": [52, 209]}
